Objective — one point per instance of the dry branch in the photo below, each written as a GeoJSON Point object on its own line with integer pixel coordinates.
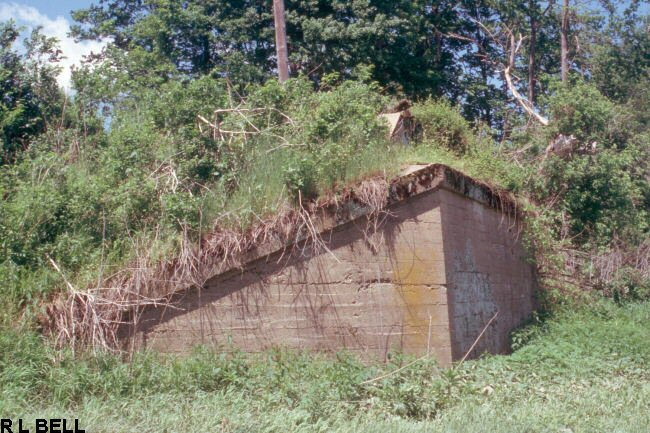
{"type": "Point", "coordinates": [507, 73]}
{"type": "Point", "coordinates": [246, 114]}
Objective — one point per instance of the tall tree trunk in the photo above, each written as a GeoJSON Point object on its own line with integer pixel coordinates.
{"type": "Point", "coordinates": [486, 95]}
{"type": "Point", "coordinates": [564, 41]}
{"type": "Point", "coordinates": [482, 50]}
{"type": "Point", "coordinates": [532, 66]}
{"type": "Point", "coordinates": [281, 40]}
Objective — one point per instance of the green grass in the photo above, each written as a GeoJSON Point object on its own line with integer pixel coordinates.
{"type": "Point", "coordinates": [581, 371]}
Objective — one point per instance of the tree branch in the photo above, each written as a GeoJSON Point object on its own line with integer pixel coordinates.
{"type": "Point", "coordinates": [525, 103]}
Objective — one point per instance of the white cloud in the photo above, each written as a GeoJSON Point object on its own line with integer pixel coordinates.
{"type": "Point", "coordinates": [58, 27]}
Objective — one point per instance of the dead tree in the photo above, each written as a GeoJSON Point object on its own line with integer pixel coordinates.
{"type": "Point", "coordinates": [281, 40]}
{"type": "Point", "coordinates": [564, 41]}
{"type": "Point", "coordinates": [566, 146]}
{"type": "Point", "coordinates": [513, 49]}
{"type": "Point", "coordinates": [510, 45]}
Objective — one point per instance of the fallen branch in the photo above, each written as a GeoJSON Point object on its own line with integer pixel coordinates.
{"type": "Point", "coordinates": [505, 40]}
{"type": "Point", "coordinates": [384, 376]}
{"type": "Point", "coordinates": [218, 132]}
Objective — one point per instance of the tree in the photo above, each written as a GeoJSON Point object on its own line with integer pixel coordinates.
{"type": "Point", "coordinates": [281, 40]}
{"type": "Point", "coordinates": [30, 94]}
{"type": "Point", "coordinates": [619, 54]}
{"type": "Point", "coordinates": [539, 25]}
{"type": "Point", "coordinates": [505, 31]}
{"type": "Point", "coordinates": [400, 39]}
{"type": "Point", "coordinates": [564, 41]}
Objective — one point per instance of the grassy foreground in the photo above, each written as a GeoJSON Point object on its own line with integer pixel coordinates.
{"type": "Point", "coordinates": [582, 371]}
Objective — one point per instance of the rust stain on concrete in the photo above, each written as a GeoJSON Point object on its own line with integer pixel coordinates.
{"type": "Point", "coordinates": [410, 272]}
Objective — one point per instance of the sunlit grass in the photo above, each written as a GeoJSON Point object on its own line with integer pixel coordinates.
{"type": "Point", "coordinates": [582, 371]}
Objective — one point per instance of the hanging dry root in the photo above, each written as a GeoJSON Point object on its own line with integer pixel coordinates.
{"type": "Point", "coordinates": [94, 317]}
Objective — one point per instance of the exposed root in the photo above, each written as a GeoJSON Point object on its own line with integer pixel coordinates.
{"type": "Point", "coordinates": [373, 193]}
{"type": "Point", "coordinates": [92, 317]}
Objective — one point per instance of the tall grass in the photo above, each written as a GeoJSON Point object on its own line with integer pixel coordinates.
{"type": "Point", "coordinates": [581, 371]}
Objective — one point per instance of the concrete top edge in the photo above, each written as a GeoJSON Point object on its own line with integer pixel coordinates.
{"type": "Point", "coordinates": [417, 181]}
{"type": "Point", "coordinates": [419, 178]}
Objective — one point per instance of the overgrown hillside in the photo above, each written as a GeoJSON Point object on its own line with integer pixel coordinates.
{"type": "Point", "coordinates": [93, 201]}
{"type": "Point", "coordinates": [177, 131]}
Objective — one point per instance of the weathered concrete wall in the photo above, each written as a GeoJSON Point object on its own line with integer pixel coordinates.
{"type": "Point", "coordinates": [486, 271]}
{"type": "Point", "coordinates": [369, 295]}
{"type": "Point", "coordinates": [427, 281]}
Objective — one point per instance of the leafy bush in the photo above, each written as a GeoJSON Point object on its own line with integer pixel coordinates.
{"type": "Point", "coordinates": [443, 125]}
{"type": "Point", "coordinates": [334, 128]}
{"type": "Point", "coordinates": [582, 111]}
{"type": "Point", "coordinates": [597, 194]}
{"type": "Point", "coordinates": [600, 195]}
{"type": "Point", "coordinates": [300, 176]}
{"type": "Point", "coordinates": [87, 204]}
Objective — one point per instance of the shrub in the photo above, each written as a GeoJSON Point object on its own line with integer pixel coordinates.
{"type": "Point", "coordinates": [334, 128]}
{"type": "Point", "coordinates": [442, 124]}
{"type": "Point", "coordinates": [582, 111]}
{"type": "Point", "coordinates": [300, 176]}
{"type": "Point", "coordinates": [600, 196]}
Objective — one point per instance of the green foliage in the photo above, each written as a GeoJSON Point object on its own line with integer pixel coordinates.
{"type": "Point", "coordinates": [155, 175]}
{"type": "Point", "coordinates": [343, 122]}
{"type": "Point", "coordinates": [300, 178]}
{"type": "Point", "coordinates": [620, 63]}
{"type": "Point", "coordinates": [599, 191]}
{"type": "Point", "coordinates": [92, 192]}
{"type": "Point", "coordinates": [235, 38]}
{"type": "Point", "coordinates": [30, 95]}
{"type": "Point", "coordinates": [583, 111]}
{"type": "Point", "coordinates": [600, 194]}
{"type": "Point", "coordinates": [443, 125]}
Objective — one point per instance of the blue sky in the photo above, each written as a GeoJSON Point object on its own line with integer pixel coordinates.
{"type": "Point", "coordinates": [54, 18]}
{"type": "Point", "coordinates": [54, 8]}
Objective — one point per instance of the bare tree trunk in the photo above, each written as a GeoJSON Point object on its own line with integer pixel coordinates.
{"type": "Point", "coordinates": [281, 40]}
{"type": "Point", "coordinates": [481, 44]}
{"type": "Point", "coordinates": [506, 40]}
{"type": "Point", "coordinates": [514, 47]}
{"type": "Point", "coordinates": [564, 41]}
{"type": "Point", "coordinates": [532, 65]}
